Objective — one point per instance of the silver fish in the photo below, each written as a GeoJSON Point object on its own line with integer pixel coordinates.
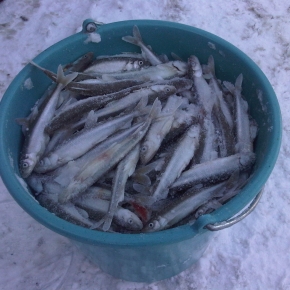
{"type": "Point", "coordinates": [81, 63]}
{"type": "Point", "coordinates": [206, 98]}
{"type": "Point", "coordinates": [216, 88]}
{"type": "Point", "coordinates": [159, 129]}
{"type": "Point", "coordinates": [137, 40]}
{"type": "Point", "coordinates": [37, 138]}
{"type": "Point", "coordinates": [112, 64]}
{"type": "Point", "coordinates": [80, 143]}
{"type": "Point", "coordinates": [178, 161]}
{"type": "Point", "coordinates": [98, 165]}
{"type": "Point", "coordinates": [182, 207]}
{"type": "Point", "coordinates": [161, 71]}
{"type": "Point", "coordinates": [96, 208]}
{"type": "Point", "coordinates": [244, 141]}
{"type": "Point", "coordinates": [98, 87]}
{"type": "Point", "coordinates": [81, 107]}
{"type": "Point", "coordinates": [124, 170]}
{"type": "Point", "coordinates": [214, 171]}
{"type": "Point", "coordinates": [67, 211]}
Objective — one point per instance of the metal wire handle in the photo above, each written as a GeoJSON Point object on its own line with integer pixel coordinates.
{"type": "Point", "coordinates": [232, 221]}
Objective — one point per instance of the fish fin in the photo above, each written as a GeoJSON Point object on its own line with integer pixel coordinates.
{"type": "Point", "coordinates": [104, 223]}
{"type": "Point", "coordinates": [137, 34]}
{"type": "Point", "coordinates": [176, 57]}
{"type": "Point", "coordinates": [141, 188]}
{"type": "Point", "coordinates": [62, 79]}
{"type": "Point", "coordinates": [141, 106]}
{"type": "Point", "coordinates": [91, 120]}
{"type": "Point", "coordinates": [149, 167]}
{"type": "Point", "coordinates": [98, 224]}
{"type": "Point", "coordinates": [135, 39]}
{"type": "Point", "coordinates": [82, 212]}
{"type": "Point", "coordinates": [163, 58]}
{"type": "Point", "coordinates": [209, 69]}
{"type": "Point", "coordinates": [108, 218]}
{"type": "Point", "coordinates": [130, 39]}
{"type": "Point", "coordinates": [155, 109]}
{"type": "Point", "coordinates": [24, 122]}
{"type": "Point", "coordinates": [238, 83]}
{"type": "Point", "coordinates": [142, 179]}
{"type": "Point", "coordinates": [229, 86]}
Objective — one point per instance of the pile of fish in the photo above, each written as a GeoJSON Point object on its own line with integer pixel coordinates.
{"type": "Point", "coordinates": [136, 142]}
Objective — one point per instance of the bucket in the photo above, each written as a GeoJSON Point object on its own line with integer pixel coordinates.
{"type": "Point", "coordinates": [144, 257]}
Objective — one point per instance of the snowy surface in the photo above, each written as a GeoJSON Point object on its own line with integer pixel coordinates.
{"type": "Point", "coordinates": [253, 254]}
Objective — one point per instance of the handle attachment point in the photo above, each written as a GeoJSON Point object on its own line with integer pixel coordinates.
{"type": "Point", "coordinates": [225, 224]}
{"type": "Point", "coordinates": [90, 25]}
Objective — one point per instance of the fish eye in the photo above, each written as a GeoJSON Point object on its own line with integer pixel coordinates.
{"type": "Point", "coordinates": [151, 225]}
{"type": "Point", "coordinates": [144, 148]}
{"type": "Point", "coordinates": [140, 62]}
{"type": "Point", "coordinates": [25, 164]}
{"type": "Point", "coordinates": [130, 221]}
{"type": "Point", "coordinates": [167, 90]}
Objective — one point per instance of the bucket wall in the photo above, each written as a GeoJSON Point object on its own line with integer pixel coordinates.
{"type": "Point", "coordinates": [148, 263]}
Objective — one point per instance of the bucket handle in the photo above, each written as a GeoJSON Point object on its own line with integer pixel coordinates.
{"type": "Point", "coordinates": [226, 224]}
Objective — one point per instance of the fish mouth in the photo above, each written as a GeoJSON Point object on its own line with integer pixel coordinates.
{"type": "Point", "coordinates": [176, 67]}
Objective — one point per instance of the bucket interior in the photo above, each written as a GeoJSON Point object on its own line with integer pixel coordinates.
{"type": "Point", "coordinates": [164, 37]}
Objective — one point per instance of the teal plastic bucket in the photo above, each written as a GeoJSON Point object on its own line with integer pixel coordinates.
{"type": "Point", "coordinates": [150, 256]}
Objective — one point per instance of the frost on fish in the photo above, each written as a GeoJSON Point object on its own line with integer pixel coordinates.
{"type": "Point", "coordinates": [137, 142]}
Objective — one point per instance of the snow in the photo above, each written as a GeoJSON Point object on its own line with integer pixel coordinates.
{"type": "Point", "coordinates": [93, 37]}
{"type": "Point", "coordinates": [253, 254]}
{"type": "Point", "coordinates": [28, 84]}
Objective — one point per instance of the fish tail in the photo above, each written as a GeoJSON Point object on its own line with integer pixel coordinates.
{"type": "Point", "coordinates": [210, 67]}
{"type": "Point", "coordinates": [98, 224]}
{"type": "Point", "coordinates": [104, 223]}
{"type": "Point", "coordinates": [136, 33]}
{"type": "Point", "coordinates": [130, 39]}
{"type": "Point", "coordinates": [142, 178]}
{"type": "Point", "coordinates": [176, 57]}
{"type": "Point", "coordinates": [155, 109]}
{"type": "Point", "coordinates": [229, 86]}
{"type": "Point", "coordinates": [49, 73]}
{"type": "Point", "coordinates": [107, 222]}
{"type": "Point", "coordinates": [238, 83]}
{"type": "Point", "coordinates": [141, 107]}
{"type": "Point", "coordinates": [62, 79]}
{"type": "Point", "coordinates": [136, 38]}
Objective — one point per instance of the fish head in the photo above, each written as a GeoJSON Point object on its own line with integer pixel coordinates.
{"type": "Point", "coordinates": [147, 150]}
{"type": "Point", "coordinates": [152, 226]}
{"type": "Point", "coordinates": [140, 63]}
{"type": "Point", "coordinates": [167, 89]}
{"type": "Point", "coordinates": [43, 165]}
{"type": "Point", "coordinates": [129, 220]}
{"type": "Point", "coordinates": [27, 164]}
{"type": "Point", "coordinates": [194, 66]}
{"type": "Point", "coordinates": [180, 67]}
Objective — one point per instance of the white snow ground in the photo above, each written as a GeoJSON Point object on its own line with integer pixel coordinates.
{"type": "Point", "coordinates": [253, 254]}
